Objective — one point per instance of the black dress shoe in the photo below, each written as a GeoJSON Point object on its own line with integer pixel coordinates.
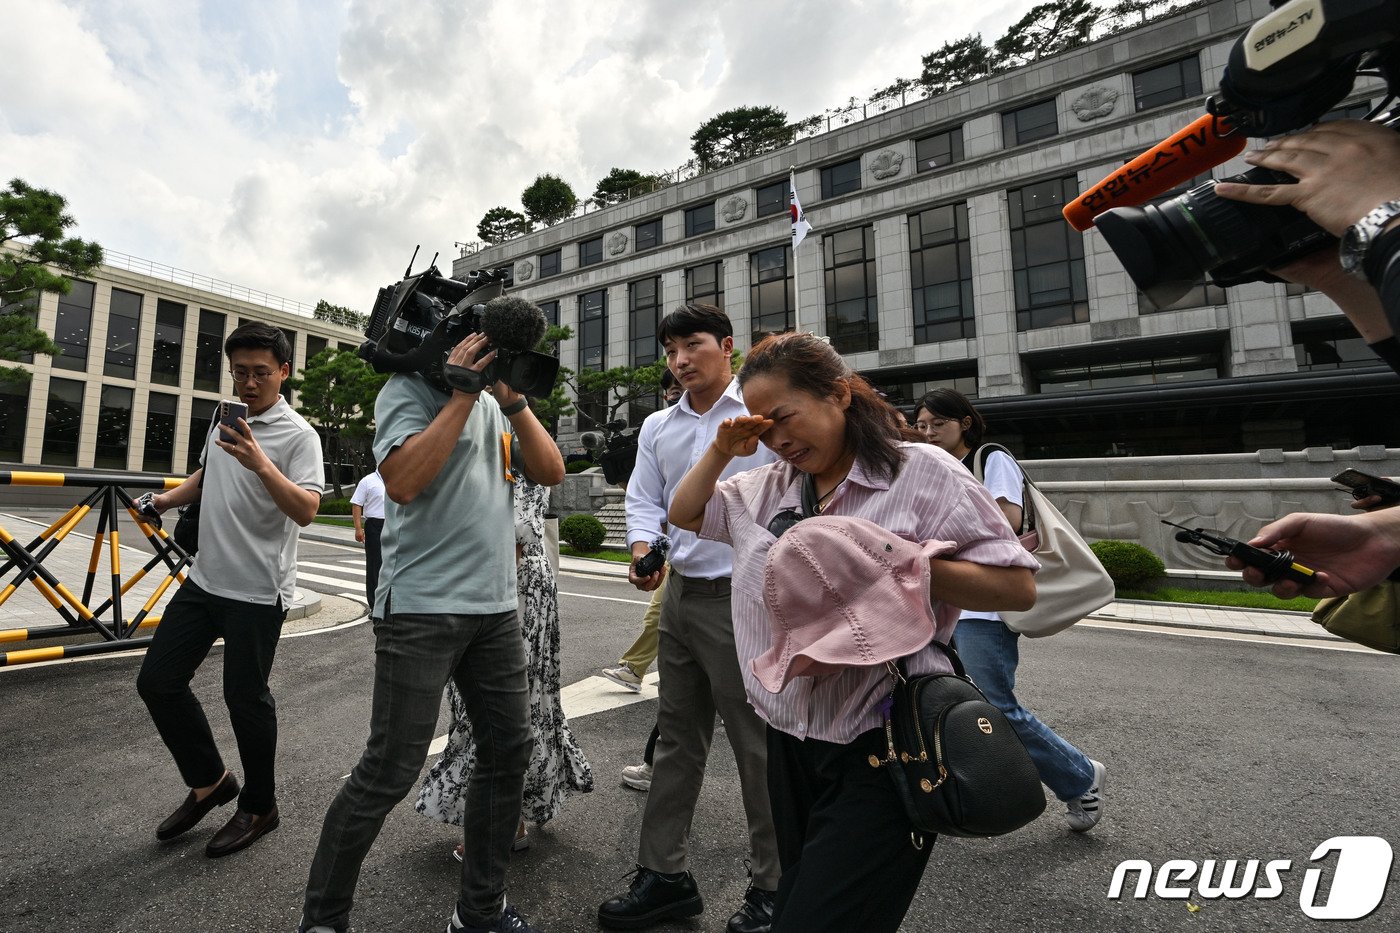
{"type": "Point", "coordinates": [192, 811]}
{"type": "Point", "coordinates": [755, 915]}
{"type": "Point", "coordinates": [650, 899]}
{"type": "Point", "coordinates": [241, 831]}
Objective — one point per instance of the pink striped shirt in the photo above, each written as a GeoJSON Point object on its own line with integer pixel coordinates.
{"type": "Point", "coordinates": [934, 496]}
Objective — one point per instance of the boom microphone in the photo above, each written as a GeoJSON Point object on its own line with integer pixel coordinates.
{"type": "Point", "coordinates": [1196, 148]}
{"type": "Point", "coordinates": [513, 323]}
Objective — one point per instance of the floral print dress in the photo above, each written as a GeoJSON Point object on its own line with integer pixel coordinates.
{"type": "Point", "coordinates": [557, 764]}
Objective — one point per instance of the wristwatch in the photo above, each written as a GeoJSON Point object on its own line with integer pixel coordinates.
{"type": "Point", "coordinates": [1357, 238]}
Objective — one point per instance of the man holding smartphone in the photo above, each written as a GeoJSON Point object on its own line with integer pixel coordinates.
{"type": "Point", "coordinates": [261, 478]}
{"type": "Point", "coordinates": [445, 609]}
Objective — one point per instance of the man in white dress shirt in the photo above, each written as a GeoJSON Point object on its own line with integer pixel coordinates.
{"type": "Point", "coordinates": [699, 667]}
{"type": "Point", "coordinates": [367, 508]}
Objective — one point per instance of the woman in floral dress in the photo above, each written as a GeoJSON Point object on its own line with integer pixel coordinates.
{"type": "Point", "coordinates": [557, 765]}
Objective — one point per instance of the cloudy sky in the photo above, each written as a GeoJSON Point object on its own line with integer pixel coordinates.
{"type": "Point", "coordinates": [303, 147]}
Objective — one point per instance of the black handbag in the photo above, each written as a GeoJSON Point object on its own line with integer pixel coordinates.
{"type": "Point", "coordinates": [186, 531]}
{"type": "Point", "coordinates": [957, 764]}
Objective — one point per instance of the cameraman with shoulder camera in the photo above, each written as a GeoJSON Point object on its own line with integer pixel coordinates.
{"type": "Point", "coordinates": [445, 608]}
{"type": "Point", "coordinates": [1348, 175]}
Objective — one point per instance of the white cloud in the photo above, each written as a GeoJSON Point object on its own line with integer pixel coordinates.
{"type": "Point", "coordinates": [304, 148]}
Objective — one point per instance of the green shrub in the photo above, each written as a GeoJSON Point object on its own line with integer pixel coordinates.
{"type": "Point", "coordinates": [578, 466]}
{"type": "Point", "coordinates": [1131, 565]}
{"type": "Point", "coordinates": [582, 532]}
{"type": "Point", "coordinates": [334, 507]}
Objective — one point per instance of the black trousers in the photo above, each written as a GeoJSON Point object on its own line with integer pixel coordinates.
{"type": "Point", "coordinates": [849, 862]}
{"type": "Point", "coordinates": [374, 557]}
{"type": "Point", "coordinates": [191, 623]}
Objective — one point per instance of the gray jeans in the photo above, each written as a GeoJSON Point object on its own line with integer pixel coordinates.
{"type": "Point", "coordinates": [414, 657]}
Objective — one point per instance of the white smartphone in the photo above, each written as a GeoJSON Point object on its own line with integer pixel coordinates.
{"type": "Point", "coordinates": [230, 411]}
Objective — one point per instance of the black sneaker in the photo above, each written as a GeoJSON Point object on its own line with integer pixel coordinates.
{"type": "Point", "coordinates": [650, 899]}
{"type": "Point", "coordinates": [755, 915]}
{"type": "Point", "coordinates": [510, 922]}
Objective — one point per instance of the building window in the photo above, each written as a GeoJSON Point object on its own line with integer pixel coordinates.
{"type": "Point", "coordinates": [773, 199]}
{"type": "Point", "coordinates": [201, 424]}
{"type": "Point", "coordinates": [209, 352]}
{"type": "Point", "coordinates": [770, 291]}
{"type": "Point", "coordinates": [113, 428]}
{"type": "Point", "coordinates": [1330, 346]}
{"type": "Point", "coordinates": [1165, 84]}
{"type": "Point", "coordinates": [1047, 256]}
{"type": "Point", "coordinates": [940, 262]}
{"type": "Point", "coordinates": [1356, 111]}
{"type": "Point", "coordinates": [593, 328]}
{"type": "Point", "coordinates": [159, 455]}
{"type": "Point", "coordinates": [73, 326]}
{"type": "Point", "coordinates": [170, 337]}
{"type": "Point", "coordinates": [549, 264]}
{"type": "Point", "coordinates": [123, 326]}
{"type": "Point", "coordinates": [1038, 121]}
{"type": "Point", "coordinates": [1158, 370]}
{"type": "Point", "coordinates": [590, 252]}
{"type": "Point", "coordinates": [705, 283]}
{"type": "Point", "coordinates": [699, 219]}
{"type": "Point", "coordinates": [30, 309]}
{"type": "Point", "coordinates": [852, 321]}
{"type": "Point", "coordinates": [63, 422]}
{"type": "Point", "coordinates": [551, 312]}
{"type": "Point", "coordinates": [841, 178]}
{"type": "Point", "coordinates": [14, 415]}
{"type": "Point", "coordinates": [314, 347]}
{"type": "Point", "coordinates": [346, 347]}
{"type": "Point", "coordinates": [291, 336]}
{"type": "Point", "coordinates": [905, 391]}
{"type": "Point", "coordinates": [643, 316]}
{"type": "Point", "coordinates": [939, 150]}
{"type": "Point", "coordinates": [647, 235]}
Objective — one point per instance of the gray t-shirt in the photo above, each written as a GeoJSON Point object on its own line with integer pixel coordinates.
{"type": "Point", "coordinates": [452, 549]}
{"type": "Point", "coordinates": [247, 545]}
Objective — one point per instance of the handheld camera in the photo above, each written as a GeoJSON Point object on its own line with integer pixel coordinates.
{"type": "Point", "coordinates": [1284, 74]}
{"type": "Point", "coordinates": [416, 323]}
{"type": "Point", "coordinates": [655, 559]}
{"type": "Point", "coordinates": [1275, 565]}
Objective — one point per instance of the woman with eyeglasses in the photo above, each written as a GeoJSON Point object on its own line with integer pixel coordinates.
{"type": "Point", "coordinates": [848, 857]}
{"type": "Point", "coordinates": [987, 647]}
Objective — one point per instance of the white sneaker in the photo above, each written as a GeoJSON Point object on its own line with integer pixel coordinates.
{"type": "Point", "coordinates": [637, 776]}
{"type": "Point", "coordinates": [1084, 813]}
{"type": "Point", "coordinates": [622, 676]}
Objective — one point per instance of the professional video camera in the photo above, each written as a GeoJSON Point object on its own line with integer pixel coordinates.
{"type": "Point", "coordinates": [1287, 71]}
{"type": "Point", "coordinates": [619, 452]}
{"type": "Point", "coordinates": [416, 323]}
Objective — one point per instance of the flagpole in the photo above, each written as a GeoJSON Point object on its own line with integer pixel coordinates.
{"type": "Point", "coordinates": [796, 295]}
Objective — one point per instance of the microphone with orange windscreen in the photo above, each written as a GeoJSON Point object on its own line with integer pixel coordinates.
{"type": "Point", "coordinates": [1195, 148]}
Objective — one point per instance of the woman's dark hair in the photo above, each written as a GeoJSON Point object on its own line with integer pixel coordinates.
{"type": "Point", "coordinates": [695, 318]}
{"type": "Point", "coordinates": [256, 335]}
{"type": "Point", "coordinates": [810, 365]}
{"type": "Point", "coordinates": [946, 403]}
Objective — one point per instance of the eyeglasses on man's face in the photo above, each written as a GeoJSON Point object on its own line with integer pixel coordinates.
{"type": "Point", "coordinates": [258, 376]}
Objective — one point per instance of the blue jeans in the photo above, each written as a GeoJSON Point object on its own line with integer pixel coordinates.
{"type": "Point", "coordinates": [414, 655]}
{"type": "Point", "coordinates": [989, 652]}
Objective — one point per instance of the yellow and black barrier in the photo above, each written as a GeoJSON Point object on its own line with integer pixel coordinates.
{"type": "Point", "coordinates": [108, 496]}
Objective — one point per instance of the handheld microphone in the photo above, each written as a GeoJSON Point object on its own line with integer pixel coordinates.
{"type": "Point", "coordinates": [654, 559]}
{"type": "Point", "coordinates": [1191, 150]}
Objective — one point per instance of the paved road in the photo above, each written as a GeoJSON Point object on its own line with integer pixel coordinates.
{"type": "Point", "coordinates": [1216, 749]}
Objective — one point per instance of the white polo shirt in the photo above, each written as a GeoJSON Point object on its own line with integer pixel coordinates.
{"type": "Point", "coordinates": [369, 495]}
{"type": "Point", "coordinates": [247, 545]}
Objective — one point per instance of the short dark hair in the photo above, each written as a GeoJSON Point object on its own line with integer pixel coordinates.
{"type": "Point", "coordinates": [255, 335]}
{"type": "Point", "coordinates": [695, 318]}
{"type": "Point", "coordinates": [947, 403]}
{"type": "Point", "coordinates": [668, 379]}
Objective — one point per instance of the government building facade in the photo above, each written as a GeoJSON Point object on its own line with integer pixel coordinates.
{"type": "Point", "coordinates": [142, 368]}
{"type": "Point", "coordinates": [939, 257]}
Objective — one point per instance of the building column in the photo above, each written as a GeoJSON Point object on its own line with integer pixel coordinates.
{"type": "Point", "coordinates": [993, 297]}
{"type": "Point", "coordinates": [895, 301]}
{"type": "Point", "coordinates": [735, 270]}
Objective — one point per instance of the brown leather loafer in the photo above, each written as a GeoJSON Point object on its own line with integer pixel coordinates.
{"type": "Point", "coordinates": [241, 831]}
{"type": "Point", "coordinates": [192, 811]}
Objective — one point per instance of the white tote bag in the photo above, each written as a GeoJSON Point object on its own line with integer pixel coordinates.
{"type": "Point", "coordinates": [1071, 582]}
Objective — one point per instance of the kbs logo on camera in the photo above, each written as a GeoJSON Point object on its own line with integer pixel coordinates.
{"type": "Point", "coordinates": [1359, 878]}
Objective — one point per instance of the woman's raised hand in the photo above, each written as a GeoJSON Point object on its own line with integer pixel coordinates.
{"type": "Point", "coordinates": [738, 437]}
